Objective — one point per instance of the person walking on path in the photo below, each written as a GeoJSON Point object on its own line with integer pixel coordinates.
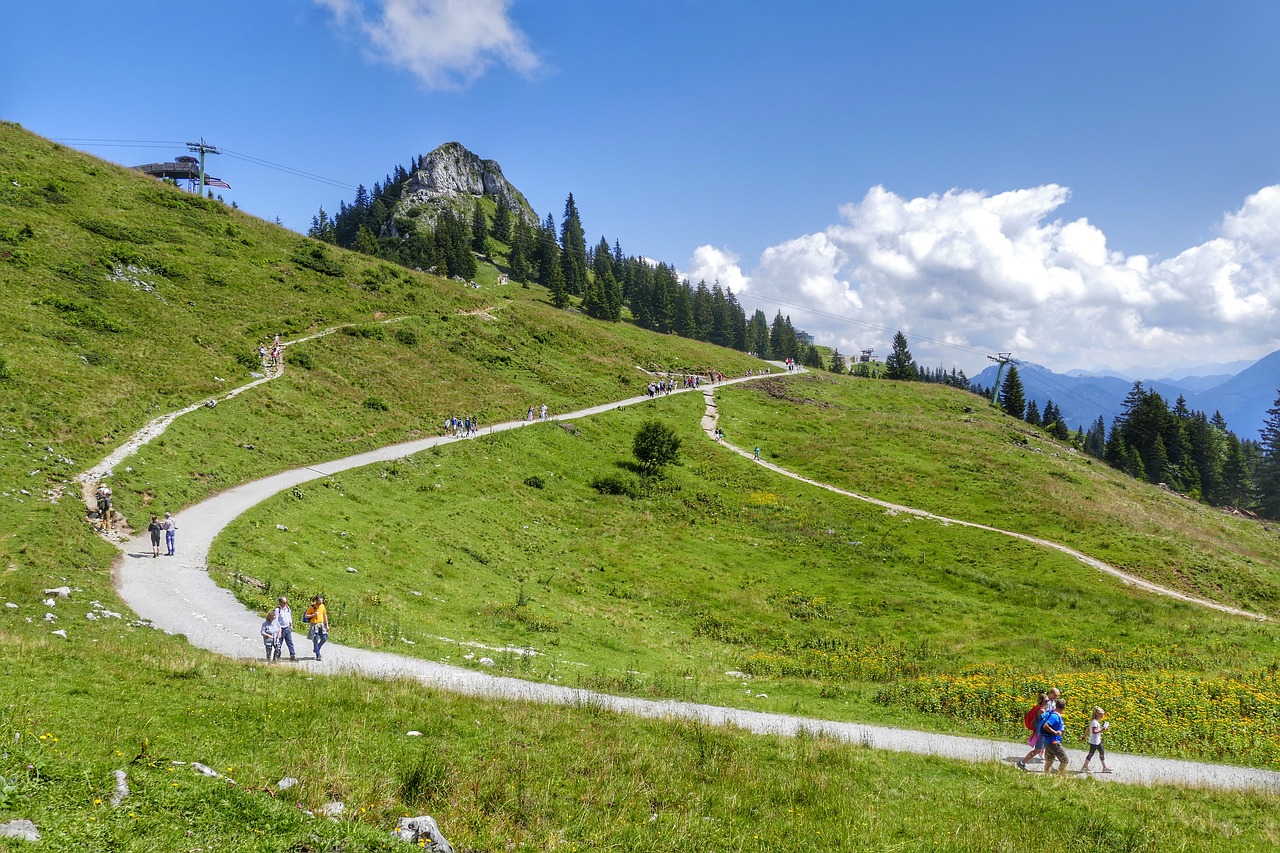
{"type": "Point", "coordinates": [317, 616]}
{"type": "Point", "coordinates": [170, 533]}
{"type": "Point", "coordinates": [271, 636]}
{"type": "Point", "coordinates": [1096, 728]}
{"type": "Point", "coordinates": [757, 454]}
{"type": "Point", "coordinates": [103, 496]}
{"type": "Point", "coordinates": [154, 529]}
{"type": "Point", "coordinates": [1033, 720]}
{"type": "Point", "coordinates": [284, 618]}
{"type": "Point", "coordinates": [1053, 727]}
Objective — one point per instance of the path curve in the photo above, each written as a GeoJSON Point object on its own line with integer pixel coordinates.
{"type": "Point", "coordinates": [710, 419]}
{"type": "Point", "coordinates": [178, 596]}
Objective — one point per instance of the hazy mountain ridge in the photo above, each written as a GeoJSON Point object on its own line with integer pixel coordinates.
{"type": "Point", "coordinates": [1242, 398]}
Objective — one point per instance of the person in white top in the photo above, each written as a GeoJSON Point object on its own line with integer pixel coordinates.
{"type": "Point", "coordinates": [1096, 728]}
{"type": "Point", "coordinates": [284, 619]}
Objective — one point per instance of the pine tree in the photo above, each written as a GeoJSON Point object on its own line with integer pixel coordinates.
{"type": "Point", "coordinates": [758, 335]}
{"type": "Point", "coordinates": [559, 294]}
{"type": "Point", "coordinates": [366, 243]}
{"type": "Point", "coordinates": [1237, 488]}
{"type": "Point", "coordinates": [573, 249]}
{"type": "Point", "coordinates": [837, 364]}
{"type": "Point", "coordinates": [548, 252]}
{"type": "Point", "coordinates": [1095, 440]}
{"type": "Point", "coordinates": [518, 258]}
{"type": "Point", "coordinates": [502, 222]}
{"type": "Point", "coordinates": [1033, 414]}
{"type": "Point", "coordinates": [1269, 466]}
{"type": "Point", "coordinates": [900, 365]}
{"type": "Point", "coordinates": [1011, 397]}
{"type": "Point", "coordinates": [479, 231]}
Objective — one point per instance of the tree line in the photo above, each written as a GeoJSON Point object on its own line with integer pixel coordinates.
{"type": "Point", "coordinates": [1183, 449]}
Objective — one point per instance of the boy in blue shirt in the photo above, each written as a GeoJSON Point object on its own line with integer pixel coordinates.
{"type": "Point", "coordinates": [1052, 729]}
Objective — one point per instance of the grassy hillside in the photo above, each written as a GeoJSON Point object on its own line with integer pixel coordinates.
{"type": "Point", "coordinates": [984, 467]}
{"type": "Point", "coordinates": [714, 567]}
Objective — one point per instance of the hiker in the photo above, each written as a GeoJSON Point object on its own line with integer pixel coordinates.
{"type": "Point", "coordinates": [757, 454]}
{"type": "Point", "coordinates": [154, 529]}
{"type": "Point", "coordinates": [1095, 730]}
{"type": "Point", "coordinates": [284, 619]}
{"type": "Point", "coordinates": [544, 411]}
{"type": "Point", "coordinates": [170, 533]}
{"type": "Point", "coordinates": [1053, 727]}
{"type": "Point", "coordinates": [317, 617]}
{"type": "Point", "coordinates": [271, 636]}
{"type": "Point", "coordinates": [103, 496]}
{"type": "Point", "coordinates": [1032, 720]}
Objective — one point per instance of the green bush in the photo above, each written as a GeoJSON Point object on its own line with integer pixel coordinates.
{"type": "Point", "coordinates": [302, 359]}
{"type": "Point", "coordinates": [376, 404]}
{"type": "Point", "coordinates": [534, 482]}
{"type": "Point", "coordinates": [655, 445]}
{"type": "Point", "coordinates": [616, 484]}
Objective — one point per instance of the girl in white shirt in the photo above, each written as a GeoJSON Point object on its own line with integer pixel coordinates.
{"type": "Point", "coordinates": [1096, 728]}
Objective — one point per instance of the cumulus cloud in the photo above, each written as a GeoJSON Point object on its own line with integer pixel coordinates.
{"type": "Point", "coordinates": [445, 43]}
{"type": "Point", "coordinates": [1000, 273]}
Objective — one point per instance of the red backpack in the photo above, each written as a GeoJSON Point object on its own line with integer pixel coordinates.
{"type": "Point", "coordinates": [1032, 719]}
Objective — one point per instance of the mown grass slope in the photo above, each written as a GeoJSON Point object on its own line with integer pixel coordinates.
{"type": "Point", "coordinates": [92, 349]}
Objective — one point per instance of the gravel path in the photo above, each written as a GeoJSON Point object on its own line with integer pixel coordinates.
{"type": "Point", "coordinates": [177, 595]}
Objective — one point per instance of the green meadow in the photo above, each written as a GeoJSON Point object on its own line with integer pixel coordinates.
{"type": "Point", "coordinates": [547, 539]}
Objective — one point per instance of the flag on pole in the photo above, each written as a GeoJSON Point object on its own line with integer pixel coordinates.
{"type": "Point", "coordinates": [210, 181]}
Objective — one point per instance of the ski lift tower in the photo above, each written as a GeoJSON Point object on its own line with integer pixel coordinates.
{"type": "Point", "coordinates": [202, 148]}
{"type": "Point", "coordinates": [866, 355]}
{"type": "Point", "coordinates": [1002, 359]}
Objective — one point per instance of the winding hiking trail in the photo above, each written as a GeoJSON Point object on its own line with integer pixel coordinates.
{"type": "Point", "coordinates": [178, 596]}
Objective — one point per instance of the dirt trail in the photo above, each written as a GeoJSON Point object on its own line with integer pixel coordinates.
{"type": "Point", "coordinates": [177, 595]}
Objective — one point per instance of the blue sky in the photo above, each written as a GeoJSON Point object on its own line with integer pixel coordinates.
{"type": "Point", "coordinates": [1081, 184]}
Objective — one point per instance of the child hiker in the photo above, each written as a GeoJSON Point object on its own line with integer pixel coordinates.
{"type": "Point", "coordinates": [1096, 728]}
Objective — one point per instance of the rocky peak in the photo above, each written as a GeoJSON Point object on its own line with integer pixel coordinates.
{"type": "Point", "coordinates": [453, 178]}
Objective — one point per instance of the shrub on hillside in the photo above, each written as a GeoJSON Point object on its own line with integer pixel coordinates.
{"type": "Point", "coordinates": [616, 484]}
{"type": "Point", "coordinates": [376, 404]}
{"type": "Point", "coordinates": [655, 445]}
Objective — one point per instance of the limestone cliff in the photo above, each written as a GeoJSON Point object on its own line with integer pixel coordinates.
{"type": "Point", "coordinates": [453, 178]}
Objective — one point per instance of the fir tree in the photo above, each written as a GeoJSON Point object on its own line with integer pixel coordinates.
{"type": "Point", "coordinates": [837, 364]}
{"type": "Point", "coordinates": [1011, 396]}
{"type": "Point", "coordinates": [573, 249]}
{"type": "Point", "coordinates": [1269, 465]}
{"type": "Point", "coordinates": [559, 294]}
{"type": "Point", "coordinates": [757, 336]}
{"type": "Point", "coordinates": [502, 226]}
{"type": "Point", "coordinates": [479, 231]}
{"type": "Point", "coordinates": [900, 365]}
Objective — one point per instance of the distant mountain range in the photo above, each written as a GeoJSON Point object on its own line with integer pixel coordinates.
{"type": "Point", "coordinates": [1243, 397]}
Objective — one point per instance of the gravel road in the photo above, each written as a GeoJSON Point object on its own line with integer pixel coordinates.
{"type": "Point", "coordinates": [177, 595]}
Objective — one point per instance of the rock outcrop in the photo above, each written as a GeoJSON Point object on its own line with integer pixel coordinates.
{"type": "Point", "coordinates": [452, 178]}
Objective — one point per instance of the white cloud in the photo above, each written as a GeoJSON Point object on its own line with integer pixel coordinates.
{"type": "Point", "coordinates": [445, 43]}
{"type": "Point", "coordinates": [710, 264]}
{"type": "Point", "coordinates": [998, 272]}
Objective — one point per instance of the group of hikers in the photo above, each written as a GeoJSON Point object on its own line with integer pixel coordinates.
{"type": "Point", "coordinates": [277, 628]}
{"type": "Point", "coordinates": [1044, 720]}
{"type": "Point", "coordinates": [462, 427]}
